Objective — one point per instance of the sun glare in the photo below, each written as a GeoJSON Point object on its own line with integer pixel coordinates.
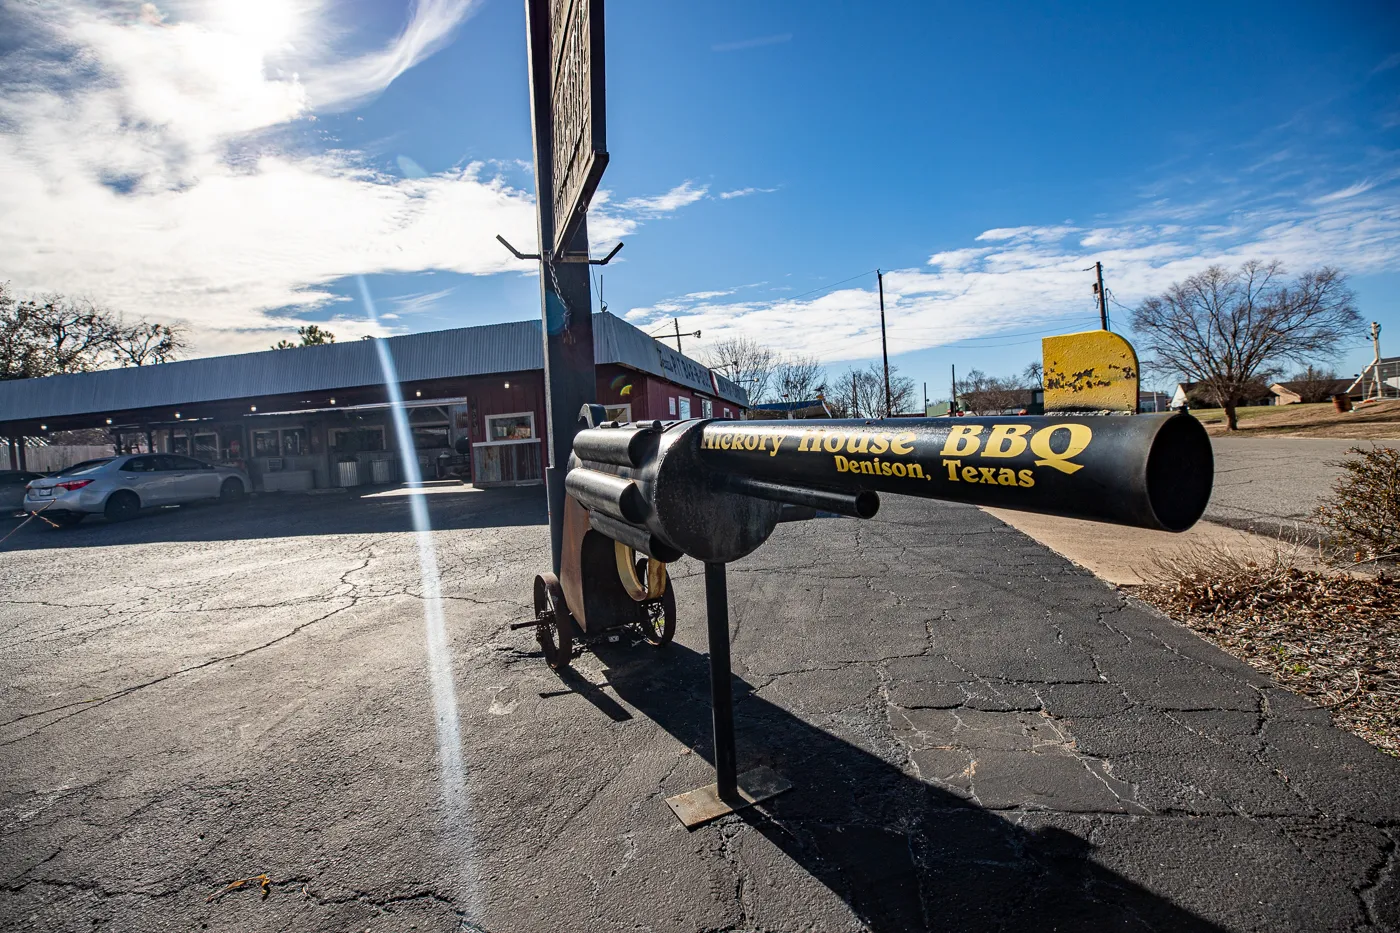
{"type": "Point", "coordinates": [269, 24]}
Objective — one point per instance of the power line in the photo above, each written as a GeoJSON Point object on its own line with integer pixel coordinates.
{"type": "Point", "coordinates": [824, 288]}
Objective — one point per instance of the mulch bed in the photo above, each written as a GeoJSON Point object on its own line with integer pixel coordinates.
{"type": "Point", "coordinates": [1333, 638]}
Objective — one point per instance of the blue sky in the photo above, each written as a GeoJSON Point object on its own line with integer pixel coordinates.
{"type": "Point", "coordinates": [236, 165]}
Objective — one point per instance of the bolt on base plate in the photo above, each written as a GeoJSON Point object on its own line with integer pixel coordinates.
{"type": "Point", "coordinates": [700, 806]}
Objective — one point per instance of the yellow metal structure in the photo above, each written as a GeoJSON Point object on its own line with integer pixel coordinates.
{"type": "Point", "coordinates": [638, 589]}
{"type": "Point", "coordinates": [1093, 371]}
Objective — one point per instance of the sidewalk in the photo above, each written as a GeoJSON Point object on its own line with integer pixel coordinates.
{"type": "Point", "coordinates": [1126, 556]}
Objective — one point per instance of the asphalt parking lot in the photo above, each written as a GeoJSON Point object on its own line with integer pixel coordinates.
{"type": "Point", "coordinates": [981, 737]}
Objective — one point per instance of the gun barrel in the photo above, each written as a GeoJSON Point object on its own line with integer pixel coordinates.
{"type": "Point", "coordinates": [1151, 471]}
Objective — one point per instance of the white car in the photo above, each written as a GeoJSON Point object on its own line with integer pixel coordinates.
{"type": "Point", "coordinates": [120, 487]}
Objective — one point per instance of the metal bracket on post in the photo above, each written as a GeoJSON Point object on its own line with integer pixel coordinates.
{"type": "Point", "coordinates": [731, 791]}
{"type": "Point", "coordinates": [567, 257]}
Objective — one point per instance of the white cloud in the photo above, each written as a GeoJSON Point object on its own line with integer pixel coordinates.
{"type": "Point", "coordinates": [1033, 279]}
{"type": "Point", "coordinates": [680, 196]}
{"type": "Point", "coordinates": [416, 303]}
{"type": "Point", "coordinates": [347, 82]}
{"type": "Point", "coordinates": [148, 163]}
{"type": "Point", "coordinates": [745, 192]}
{"type": "Point", "coordinates": [1351, 191]}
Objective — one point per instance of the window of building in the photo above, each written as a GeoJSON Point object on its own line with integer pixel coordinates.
{"type": "Point", "coordinates": [707, 408]}
{"type": "Point", "coordinates": [356, 440]}
{"type": "Point", "coordinates": [206, 446]}
{"type": "Point", "coordinates": [727, 413]}
{"type": "Point", "coordinates": [265, 444]}
{"type": "Point", "coordinates": [430, 436]}
{"type": "Point", "coordinates": [294, 442]}
{"type": "Point", "coordinates": [619, 413]}
{"type": "Point", "coordinates": [517, 426]}
{"type": "Point", "coordinates": [673, 404]}
{"type": "Point", "coordinates": [685, 408]}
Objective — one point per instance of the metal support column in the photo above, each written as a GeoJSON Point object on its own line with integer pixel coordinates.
{"type": "Point", "coordinates": [731, 791]}
{"type": "Point", "coordinates": [721, 688]}
{"type": "Point", "coordinates": [565, 299]}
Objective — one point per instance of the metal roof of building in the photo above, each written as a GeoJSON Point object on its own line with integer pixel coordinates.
{"type": "Point", "coordinates": [443, 354]}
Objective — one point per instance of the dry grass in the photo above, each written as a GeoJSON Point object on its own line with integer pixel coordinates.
{"type": "Point", "coordinates": [1366, 422]}
{"type": "Point", "coordinates": [1334, 638]}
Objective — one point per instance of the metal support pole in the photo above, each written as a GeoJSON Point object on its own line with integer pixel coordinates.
{"type": "Point", "coordinates": [23, 460]}
{"type": "Point", "coordinates": [721, 690]}
{"type": "Point", "coordinates": [731, 790]}
{"type": "Point", "coordinates": [565, 299]}
{"type": "Point", "coordinates": [884, 347]}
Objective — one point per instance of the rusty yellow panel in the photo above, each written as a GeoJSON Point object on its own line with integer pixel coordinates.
{"type": "Point", "coordinates": [1093, 371]}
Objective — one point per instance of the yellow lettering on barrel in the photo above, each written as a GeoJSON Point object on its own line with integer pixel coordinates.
{"type": "Point", "coordinates": [952, 466]}
{"type": "Point", "coordinates": [751, 442]}
{"type": "Point", "coordinates": [916, 471]}
{"type": "Point", "coordinates": [842, 464]}
{"type": "Point", "coordinates": [989, 474]}
{"type": "Point", "coordinates": [867, 467]}
{"type": "Point", "coordinates": [857, 444]}
{"type": "Point", "coordinates": [885, 469]}
{"type": "Point", "coordinates": [969, 474]}
{"type": "Point", "coordinates": [899, 469]}
{"type": "Point", "coordinates": [777, 442]}
{"type": "Point", "coordinates": [903, 443]}
{"type": "Point", "coordinates": [1006, 477]}
{"type": "Point", "coordinates": [811, 441]}
{"type": "Point", "coordinates": [723, 442]}
{"type": "Point", "coordinates": [1025, 478]}
{"type": "Point", "coordinates": [962, 440]}
{"type": "Point", "coordinates": [1006, 440]}
{"type": "Point", "coordinates": [879, 443]}
{"type": "Point", "coordinates": [1079, 437]}
{"type": "Point", "coordinates": [833, 443]}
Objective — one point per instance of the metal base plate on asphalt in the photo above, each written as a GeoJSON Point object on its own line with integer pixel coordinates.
{"type": "Point", "coordinates": [697, 807]}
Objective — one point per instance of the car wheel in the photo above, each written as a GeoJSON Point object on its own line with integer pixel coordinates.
{"type": "Point", "coordinates": [231, 491]}
{"type": "Point", "coordinates": [122, 506]}
{"type": "Point", "coordinates": [66, 519]}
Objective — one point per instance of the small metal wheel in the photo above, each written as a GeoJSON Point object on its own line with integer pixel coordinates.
{"type": "Point", "coordinates": [555, 631]}
{"type": "Point", "coordinates": [660, 625]}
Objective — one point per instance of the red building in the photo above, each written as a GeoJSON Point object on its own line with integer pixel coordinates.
{"type": "Point", "coordinates": [314, 417]}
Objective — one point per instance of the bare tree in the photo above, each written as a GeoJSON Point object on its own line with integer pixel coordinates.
{"type": "Point", "coordinates": [141, 343]}
{"type": "Point", "coordinates": [1034, 375]}
{"type": "Point", "coordinates": [797, 378]}
{"type": "Point", "coordinates": [51, 334]}
{"type": "Point", "coordinates": [860, 393]}
{"type": "Point", "coordinates": [1313, 384]}
{"type": "Point", "coordinates": [746, 361]}
{"type": "Point", "coordinates": [1225, 328]}
{"type": "Point", "coordinates": [990, 395]}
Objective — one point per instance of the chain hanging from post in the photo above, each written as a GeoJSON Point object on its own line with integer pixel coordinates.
{"type": "Point", "coordinates": [559, 293]}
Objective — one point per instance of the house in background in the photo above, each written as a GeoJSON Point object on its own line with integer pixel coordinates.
{"type": "Point", "coordinates": [1198, 396]}
{"type": "Point", "coordinates": [1291, 393]}
{"type": "Point", "coordinates": [1378, 380]}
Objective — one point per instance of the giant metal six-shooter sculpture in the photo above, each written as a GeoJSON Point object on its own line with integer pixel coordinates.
{"type": "Point", "coordinates": [628, 499]}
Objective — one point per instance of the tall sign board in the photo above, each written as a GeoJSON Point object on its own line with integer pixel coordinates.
{"type": "Point", "coordinates": [565, 42]}
{"type": "Point", "coordinates": [577, 131]}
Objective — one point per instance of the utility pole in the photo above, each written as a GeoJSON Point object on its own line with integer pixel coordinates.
{"type": "Point", "coordinates": [1103, 296]}
{"type": "Point", "coordinates": [884, 347]}
{"type": "Point", "coordinates": [1376, 364]}
{"type": "Point", "coordinates": [855, 404]}
{"type": "Point", "coordinates": [953, 399]}
{"type": "Point", "coordinates": [677, 335]}
{"type": "Point", "coordinates": [925, 399]}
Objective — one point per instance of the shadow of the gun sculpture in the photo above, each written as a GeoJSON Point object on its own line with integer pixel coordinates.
{"type": "Point", "coordinates": [903, 854]}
